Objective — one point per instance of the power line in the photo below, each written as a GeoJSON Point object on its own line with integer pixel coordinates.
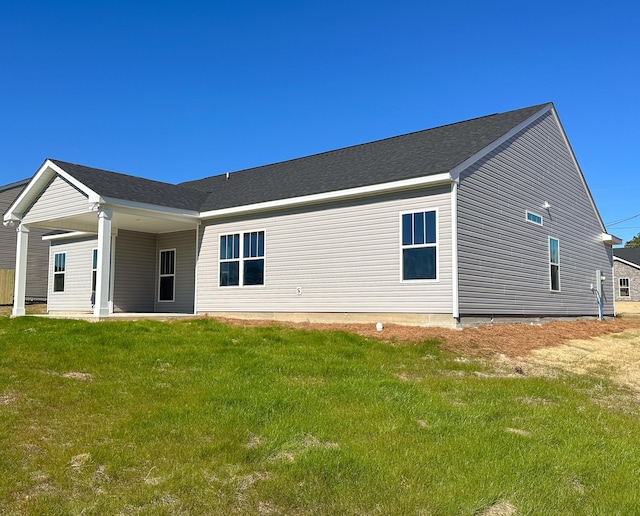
{"type": "Point", "coordinates": [622, 220]}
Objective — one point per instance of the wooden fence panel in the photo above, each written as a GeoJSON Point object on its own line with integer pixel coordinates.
{"type": "Point", "coordinates": [6, 286]}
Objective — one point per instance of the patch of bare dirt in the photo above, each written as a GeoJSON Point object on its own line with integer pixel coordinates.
{"type": "Point", "coordinates": [614, 356]}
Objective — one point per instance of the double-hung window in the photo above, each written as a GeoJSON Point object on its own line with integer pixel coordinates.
{"type": "Point", "coordinates": [94, 270]}
{"type": "Point", "coordinates": [419, 245]}
{"type": "Point", "coordinates": [167, 282]}
{"type": "Point", "coordinates": [554, 264]}
{"type": "Point", "coordinates": [624, 287]}
{"type": "Point", "coordinates": [242, 259]}
{"type": "Point", "coordinates": [59, 270]}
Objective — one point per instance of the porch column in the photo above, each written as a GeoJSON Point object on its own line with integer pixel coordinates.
{"type": "Point", "coordinates": [20, 282]}
{"type": "Point", "coordinates": [101, 306]}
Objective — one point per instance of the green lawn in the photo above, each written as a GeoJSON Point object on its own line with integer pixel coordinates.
{"type": "Point", "coordinates": [196, 417]}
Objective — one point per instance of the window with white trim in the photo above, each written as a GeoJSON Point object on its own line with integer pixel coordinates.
{"type": "Point", "coordinates": [534, 217]}
{"type": "Point", "coordinates": [624, 287]}
{"type": "Point", "coordinates": [554, 264]}
{"type": "Point", "coordinates": [94, 270]}
{"type": "Point", "coordinates": [59, 271]}
{"type": "Point", "coordinates": [242, 259]}
{"type": "Point", "coordinates": [419, 245]}
{"type": "Point", "coordinates": [167, 275]}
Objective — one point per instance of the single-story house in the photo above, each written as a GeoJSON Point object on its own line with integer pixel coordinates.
{"type": "Point", "coordinates": [36, 287]}
{"type": "Point", "coordinates": [482, 219]}
{"type": "Point", "coordinates": [626, 274]}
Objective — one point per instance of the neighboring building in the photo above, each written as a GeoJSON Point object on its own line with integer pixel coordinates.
{"type": "Point", "coordinates": [626, 274]}
{"type": "Point", "coordinates": [482, 219]}
{"type": "Point", "coordinates": [36, 287]}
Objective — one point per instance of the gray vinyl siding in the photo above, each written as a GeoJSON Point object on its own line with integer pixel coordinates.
{"type": "Point", "coordinates": [503, 258]}
{"type": "Point", "coordinates": [60, 199]}
{"type": "Point", "coordinates": [184, 242]}
{"type": "Point", "coordinates": [77, 285]}
{"type": "Point", "coordinates": [345, 257]}
{"type": "Point", "coordinates": [38, 250]}
{"type": "Point", "coordinates": [134, 272]}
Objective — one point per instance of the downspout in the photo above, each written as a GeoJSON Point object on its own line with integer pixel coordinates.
{"type": "Point", "coordinates": [454, 251]}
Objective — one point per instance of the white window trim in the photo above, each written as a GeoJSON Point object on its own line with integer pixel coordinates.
{"type": "Point", "coordinates": [529, 212]}
{"type": "Point", "coordinates": [627, 287]}
{"type": "Point", "coordinates": [160, 275]}
{"type": "Point", "coordinates": [414, 246]}
{"type": "Point", "coordinates": [557, 264]}
{"type": "Point", "coordinates": [64, 274]}
{"type": "Point", "coordinates": [241, 259]}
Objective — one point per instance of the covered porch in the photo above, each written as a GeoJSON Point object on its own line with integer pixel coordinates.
{"type": "Point", "coordinates": [108, 256]}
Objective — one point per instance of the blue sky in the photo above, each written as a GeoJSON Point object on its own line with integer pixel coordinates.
{"type": "Point", "coordinates": [175, 91]}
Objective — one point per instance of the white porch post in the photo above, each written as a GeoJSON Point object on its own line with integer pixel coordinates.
{"type": "Point", "coordinates": [101, 306]}
{"type": "Point", "coordinates": [20, 282]}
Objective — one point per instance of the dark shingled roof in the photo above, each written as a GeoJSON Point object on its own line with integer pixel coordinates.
{"type": "Point", "coordinates": [628, 254]}
{"type": "Point", "coordinates": [408, 156]}
{"type": "Point", "coordinates": [132, 188]}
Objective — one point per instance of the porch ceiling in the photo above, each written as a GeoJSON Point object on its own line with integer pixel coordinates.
{"type": "Point", "coordinates": [128, 221]}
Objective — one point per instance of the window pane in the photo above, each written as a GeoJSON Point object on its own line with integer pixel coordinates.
{"type": "Point", "coordinates": [260, 243]}
{"type": "Point", "coordinates": [236, 246]}
{"type": "Point", "coordinates": [419, 263]}
{"type": "Point", "coordinates": [246, 251]}
{"type": "Point", "coordinates": [58, 282]}
{"type": "Point", "coordinates": [406, 229]}
{"type": "Point", "coordinates": [553, 251]}
{"type": "Point", "coordinates": [95, 258]}
{"type": "Point", "coordinates": [555, 277]}
{"type": "Point", "coordinates": [229, 255]}
{"type": "Point", "coordinates": [94, 278]}
{"type": "Point", "coordinates": [229, 274]}
{"type": "Point", "coordinates": [254, 245]}
{"type": "Point", "coordinates": [418, 228]}
{"type": "Point", "coordinates": [166, 288]}
{"type": "Point", "coordinates": [223, 247]}
{"type": "Point", "coordinates": [254, 272]}
{"type": "Point", "coordinates": [430, 223]}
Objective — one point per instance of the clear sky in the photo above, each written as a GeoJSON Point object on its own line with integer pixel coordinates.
{"type": "Point", "coordinates": [179, 90]}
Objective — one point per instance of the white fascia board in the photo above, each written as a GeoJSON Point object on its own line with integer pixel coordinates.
{"type": "Point", "coordinates": [70, 234]}
{"type": "Point", "coordinates": [611, 239]}
{"type": "Point", "coordinates": [362, 191]}
{"type": "Point", "coordinates": [38, 183]}
{"type": "Point", "coordinates": [630, 264]}
{"type": "Point", "coordinates": [455, 172]}
{"type": "Point", "coordinates": [149, 210]}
